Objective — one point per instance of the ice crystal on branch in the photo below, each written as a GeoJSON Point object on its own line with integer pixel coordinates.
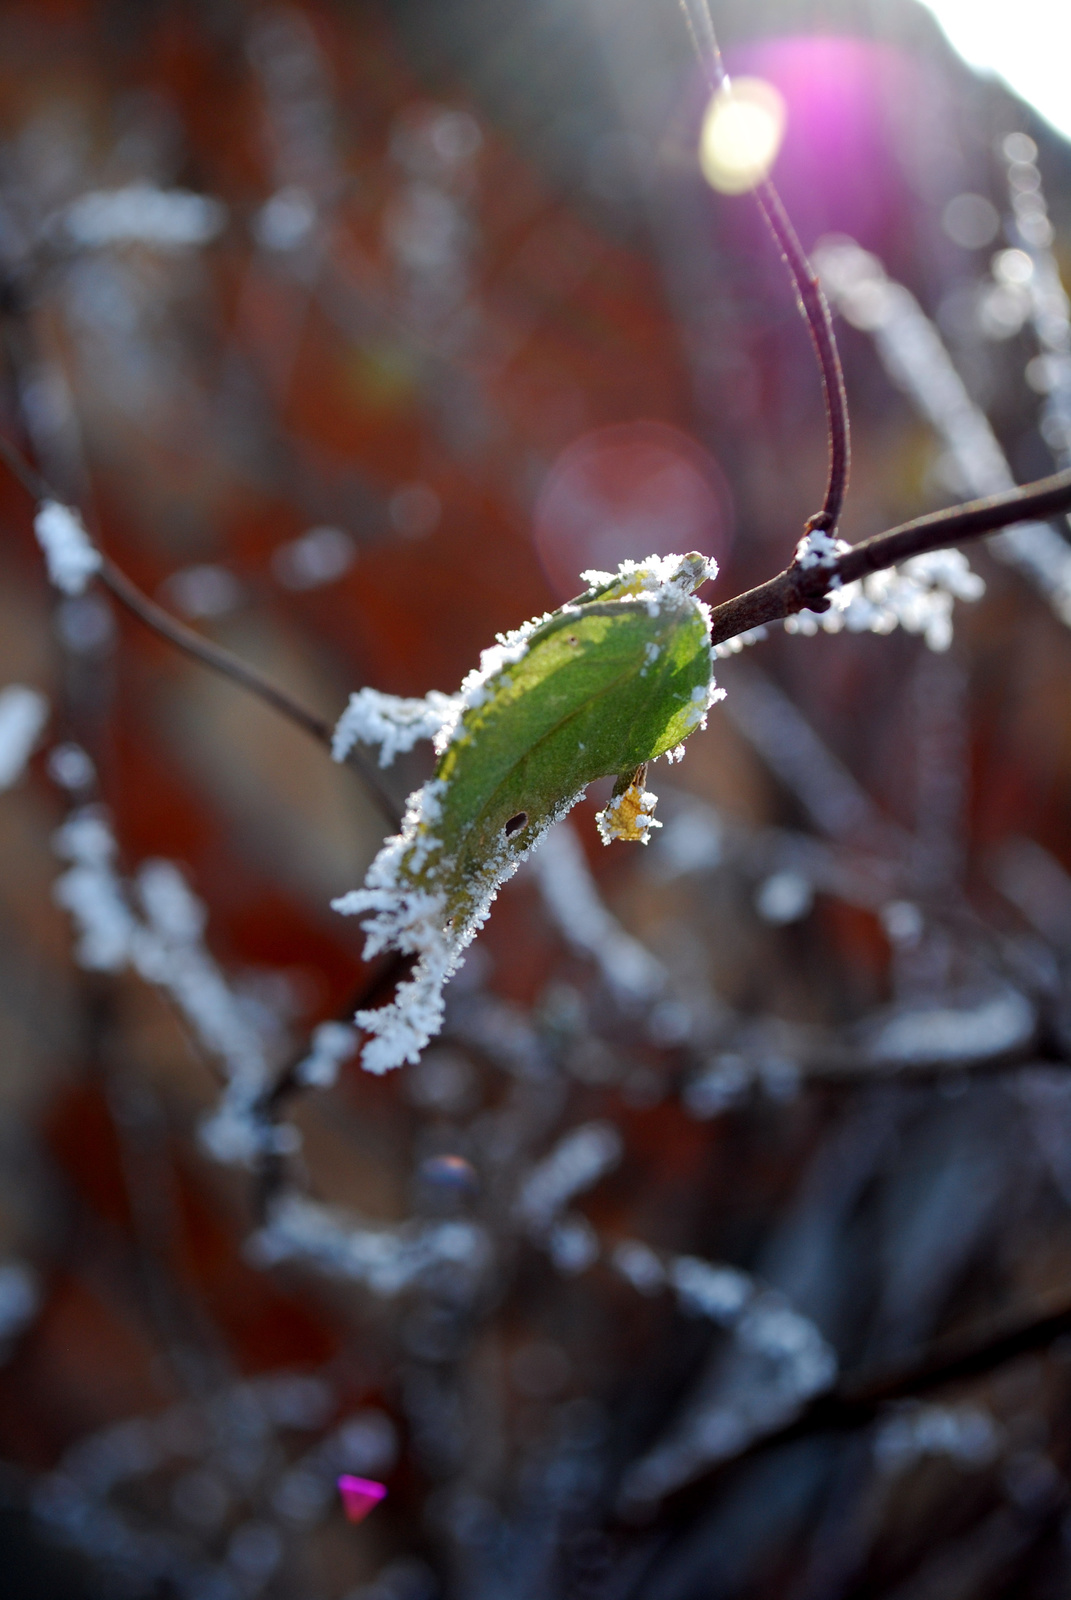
{"type": "Point", "coordinates": [917, 596]}
{"type": "Point", "coordinates": [914, 355]}
{"type": "Point", "coordinates": [71, 557]}
{"type": "Point", "coordinates": [23, 713]}
{"type": "Point", "coordinates": [604, 685]}
{"type": "Point", "coordinates": [140, 213]}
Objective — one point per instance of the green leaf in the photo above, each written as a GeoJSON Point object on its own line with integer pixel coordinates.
{"type": "Point", "coordinates": [602, 686]}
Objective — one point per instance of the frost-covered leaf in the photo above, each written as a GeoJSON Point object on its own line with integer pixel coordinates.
{"type": "Point", "coordinates": [602, 686]}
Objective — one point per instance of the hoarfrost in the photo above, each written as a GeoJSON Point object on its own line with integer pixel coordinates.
{"type": "Point", "coordinates": [573, 900]}
{"type": "Point", "coordinates": [656, 578]}
{"type": "Point", "coordinates": [23, 713]}
{"type": "Point", "coordinates": [385, 1259]}
{"type": "Point", "coordinates": [142, 213]}
{"type": "Point", "coordinates": [966, 1434]}
{"type": "Point", "coordinates": [916, 596]}
{"type": "Point", "coordinates": [71, 557]}
{"type": "Point", "coordinates": [393, 723]}
{"type": "Point", "coordinates": [91, 892]}
{"type": "Point", "coordinates": [639, 1265]}
{"type": "Point", "coordinates": [915, 357]}
{"type": "Point", "coordinates": [777, 1361]}
{"type": "Point", "coordinates": [719, 1293]}
{"type": "Point", "coordinates": [819, 549]}
{"type": "Point", "coordinates": [332, 1044]}
{"type": "Point", "coordinates": [167, 950]}
{"type": "Point", "coordinates": [412, 916]}
{"type": "Point", "coordinates": [576, 1163]}
{"type": "Point", "coordinates": [412, 922]}
{"type": "Point", "coordinates": [628, 816]}
{"type": "Point", "coordinates": [938, 1035]}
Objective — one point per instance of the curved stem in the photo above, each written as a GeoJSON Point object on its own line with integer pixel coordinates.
{"type": "Point", "coordinates": [819, 320]}
{"type": "Point", "coordinates": [812, 302]}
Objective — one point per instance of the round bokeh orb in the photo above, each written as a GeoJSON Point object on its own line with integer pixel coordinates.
{"type": "Point", "coordinates": [630, 490]}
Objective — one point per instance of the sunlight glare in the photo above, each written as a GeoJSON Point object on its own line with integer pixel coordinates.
{"type": "Point", "coordinates": [1028, 46]}
{"type": "Point", "coordinates": [741, 135]}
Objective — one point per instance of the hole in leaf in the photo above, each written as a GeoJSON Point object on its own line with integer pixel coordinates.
{"type": "Point", "coordinates": [515, 824]}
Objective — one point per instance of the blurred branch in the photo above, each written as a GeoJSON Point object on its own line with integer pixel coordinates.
{"type": "Point", "coordinates": [800, 588]}
{"type": "Point", "coordinates": [854, 1403]}
{"type": "Point", "coordinates": [194, 644]}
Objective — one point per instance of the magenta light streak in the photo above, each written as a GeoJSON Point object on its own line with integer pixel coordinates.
{"type": "Point", "coordinates": [359, 1496]}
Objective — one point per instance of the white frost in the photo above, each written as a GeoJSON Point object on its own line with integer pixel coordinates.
{"type": "Point", "coordinates": [91, 892]}
{"type": "Point", "coordinates": [577, 1162]}
{"type": "Point", "coordinates": [385, 1259]}
{"type": "Point", "coordinates": [332, 1044]}
{"type": "Point", "coordinates": [141, 213]}
{"type": "Point", "coordinates": [916, 596]}
{"type": "Point", "coordinates": [411, 920]}
{"type": "Point", "coordinates": [166, 948]}
{"type": "Point", "coordinates": [23, 713]}
{"type": "Point", "coordinates": [573, 900]}
{"type": "Point", "coordinates": [410, 916]}
{"type": "Point", "coordinates": [819, 549]}
{"type": "Point", "coordinates": [70, 555]}
{"type": "Point", "coordinates": [915, 357]}
{"type": "Point", "coordinates": [655, 576]}
{"type": "Point", "coordinates": [618, 819]}
{"type": "Point", "coordinates": [393, 723]}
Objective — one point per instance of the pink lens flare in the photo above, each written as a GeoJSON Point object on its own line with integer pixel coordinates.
{"type": "Point", "coordinates": [629, 489]}
{"type": "Point", "coordinates": [359, 1496]}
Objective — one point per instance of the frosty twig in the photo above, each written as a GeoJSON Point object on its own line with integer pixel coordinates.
{"type": "Point", "coordinates": [800, 588]}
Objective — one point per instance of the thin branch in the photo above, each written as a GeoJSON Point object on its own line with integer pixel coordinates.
{"type": "Point", "coordinates": [194, 644]}
{"type": "Point", "coordinates": [812, 302]}
{"type": "Point", "coordinates": [819, 320]}
{"type": "Point", "coordinates": [808, 588]}
{"type": "Point", "coordinates": [855, 1402]}
{"type": "Point", "coordinates": [207, 652]}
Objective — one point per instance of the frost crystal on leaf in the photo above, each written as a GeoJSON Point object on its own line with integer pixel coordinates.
{"type": "Point", "coordinates": [23, 713]}
{"type": "Point", "coordinates": [71, 557]}
{"type": "Point", "coordinates": [629, 816]}
{"type": "Point", "coordinates": [607, 683]}
{"type": "Point", "coordinates": [393, 723]}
